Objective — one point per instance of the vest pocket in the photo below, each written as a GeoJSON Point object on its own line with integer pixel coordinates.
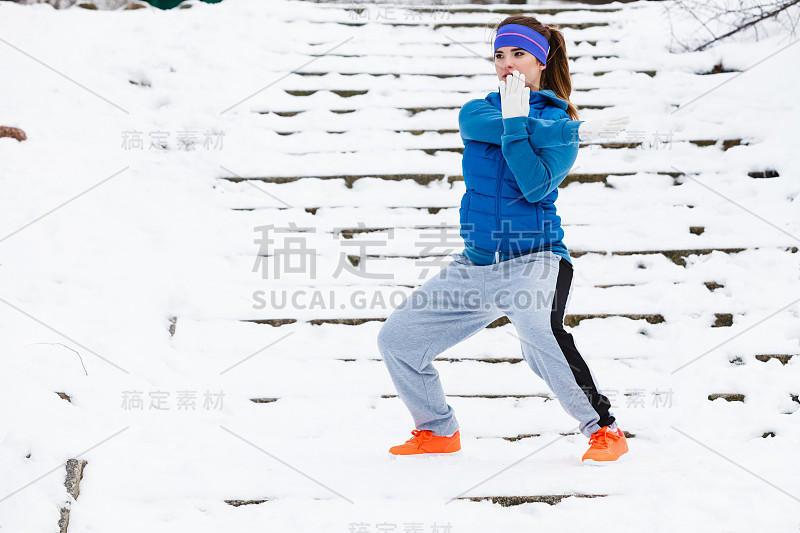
{"type": "Point", "coordinates": [522, 229]}
{"type": "Point", "coordinates": [524, 214]}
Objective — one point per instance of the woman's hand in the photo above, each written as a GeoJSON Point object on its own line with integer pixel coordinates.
{"type": "Point", "coordinates": [603, 128]}
{"type": "Point", "coordinates": [515, 96]}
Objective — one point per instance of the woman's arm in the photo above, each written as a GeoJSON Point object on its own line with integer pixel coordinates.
{"type": "Point", "coordinates": [538, 170]}
{"type": "Point", "coordinates": [479, 120]}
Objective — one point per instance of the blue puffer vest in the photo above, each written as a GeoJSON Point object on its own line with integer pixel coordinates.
{"type": "Point", "coordinates": [495, 216]}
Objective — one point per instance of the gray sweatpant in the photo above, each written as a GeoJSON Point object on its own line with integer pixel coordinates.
{"type": "Point", "coordinates": [461, 300]}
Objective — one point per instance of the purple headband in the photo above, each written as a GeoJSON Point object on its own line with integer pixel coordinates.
{"type": "Point", "coordinates": [525, 38]}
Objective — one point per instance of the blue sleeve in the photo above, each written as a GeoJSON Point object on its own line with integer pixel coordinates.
{"type": "Point", "coordinates": [538, 169]}
{"type": "Point", "coordinates": [479, 120]}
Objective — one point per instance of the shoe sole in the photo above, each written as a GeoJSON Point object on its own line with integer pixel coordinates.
{"type": "Point", "coordinates": [622, 458]}
{"type": "Point", "coordinates": [420, 455]}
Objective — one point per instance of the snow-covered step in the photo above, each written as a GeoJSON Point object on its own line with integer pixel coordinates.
{"type": "Point", "coordinates": [349, 303]}
{"type": "Point", "coordinates": [505, 501]}
{"type": "Point", "coordinates": [222, 343]}
{"type": "Point", "coordinates": [280, 318]}
{"type": "Point", "coordinates": [434, 246]}
{"type": "Point", "coordinates": [352, 266]}
{"type": "Point", "coordinates": [466, 379]}
{"type": "Point", "coordinates": [346, 87]}
{"type": "Point", "coordinates": [435, 141]}
{"type": "Point", "coordinates": [549, 499]}
{"type": "Point", "coordinates": [426, 179]}
{"type": "Point", "coordinates": [671, 345]}
{"type": "Point", "coordinates": [725, 272]}
{"type": "Point", "coordinates": [444, 50]}
{"type": "Point", "coordinates": [445, 25]}
{"type": "Point", "coordinates": [443, 138]}
{"type": "Point", "coordinates": [611, 64]}
{"type": "Point", "coordinates": [502, 396]}
{"type": "Point", "coordinates": [352, 59]}
{"type": "Point", "coordinates": [354, 15]}
{"type": "Point", "coordinates": [333, 224]}
{"type": "Point", "coordinates": [347, 221]}
{"type": "Point", "coordinates": [352, 72]}
{"type": "Point", "coordinates": [328, 12]}
{"type": "Point", "coordinates": [677, 256]}
{"type": "Point", "coordinates": [620, 176]}
{"type": "Point", "coordinates": [512, 360]}
{"type": "Point", "coordinates": [412, 111]}
{"type": "Point", "coordinates": [501, 422]}
{"type": "Point", "coordinates": [737, 360]}
{"type": "Point", "coordinates": [410, 26]}
{"type": "Point", "coordinates": [630, 267]}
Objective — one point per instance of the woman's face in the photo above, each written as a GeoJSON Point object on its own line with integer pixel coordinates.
{"type": "Point", "coordinates": [507, 59]}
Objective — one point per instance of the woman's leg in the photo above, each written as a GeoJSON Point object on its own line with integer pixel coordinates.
{"type": "Point", "coordinates": [445, 310]}
{"type": "Point", "coordinates": [537, 298]}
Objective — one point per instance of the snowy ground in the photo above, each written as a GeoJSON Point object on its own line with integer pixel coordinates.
{"type": "Point", "coordinates": [127, 274]}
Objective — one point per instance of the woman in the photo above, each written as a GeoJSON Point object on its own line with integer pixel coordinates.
{"type": "Point", "coordinates": [519, 144]}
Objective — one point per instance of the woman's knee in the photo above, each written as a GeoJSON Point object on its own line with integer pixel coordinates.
{"type": "Point", "coordinates": [536, 321]}
{"type": "Point", "coordinates": [384, 339]}
{"type": "Point", "coordinates": [388, 336]}
{"type": "Point", "coordinates": [399, 335]}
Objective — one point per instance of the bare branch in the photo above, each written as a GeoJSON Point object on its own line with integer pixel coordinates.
{"type": "Point", "coordinates": [753, 22]}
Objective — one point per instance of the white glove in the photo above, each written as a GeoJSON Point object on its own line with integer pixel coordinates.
{"type": "Point", "coordinates": [602, 128]}
{"type": "Point", "coordinates": [515, 96]}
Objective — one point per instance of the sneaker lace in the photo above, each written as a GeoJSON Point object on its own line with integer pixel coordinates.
{"type": "Point", "coordinates": [420, 436]}
{"type": "Point", "coordinates": [598, 439]}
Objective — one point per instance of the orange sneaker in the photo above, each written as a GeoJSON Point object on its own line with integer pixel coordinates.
{"type": "Point", "coordinates": [605, 445]}
{"type": "Point", "coordinates": [425, 442]}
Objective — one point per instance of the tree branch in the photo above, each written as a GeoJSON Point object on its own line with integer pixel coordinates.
{"type": "Point", "coordinates": [769, 14]}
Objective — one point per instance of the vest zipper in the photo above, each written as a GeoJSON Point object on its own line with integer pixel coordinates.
{"type": "Point", "coordinates": [497, 209]}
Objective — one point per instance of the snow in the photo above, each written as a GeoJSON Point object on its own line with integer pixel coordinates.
{"type": "Point", "coordinates": [101, 244]}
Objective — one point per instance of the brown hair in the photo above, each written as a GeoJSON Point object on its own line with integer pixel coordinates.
{"type": "Point", "coordinates": [556, 76]}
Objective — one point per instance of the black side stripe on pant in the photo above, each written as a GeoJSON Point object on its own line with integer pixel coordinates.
{"type": "Point", "coordinates": [580, 369]}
